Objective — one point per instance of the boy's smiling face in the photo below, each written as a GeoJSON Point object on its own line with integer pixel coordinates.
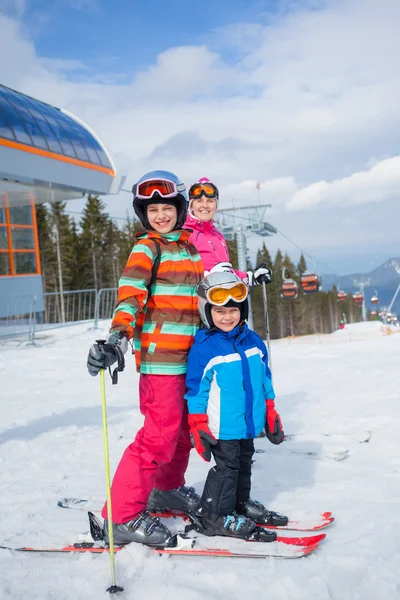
{"type": "Point", "coordinates": [225, 317]}
{"type": "Point", "coordinates": [162, 217]}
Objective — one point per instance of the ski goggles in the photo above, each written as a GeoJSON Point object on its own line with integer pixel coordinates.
{"type": "Point", "coordinates": [208, 189]}
{"type": "Point", "coordinates": [164, 187]}
{"type": "Point", "coordinates": [221, 294]}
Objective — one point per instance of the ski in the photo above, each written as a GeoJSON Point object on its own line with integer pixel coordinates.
{"type": "Point", "coordinates": [198, 546]}
{"type": "Point", "coordinates": [322, 455]}
{"type": "Point", "coordinates": [309, 524]}
{"type": "Point", "coordinates": [361, 437]}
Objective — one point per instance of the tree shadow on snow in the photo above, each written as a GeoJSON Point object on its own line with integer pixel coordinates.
{"type": "Point", "coordinates": [284, 468]}
{"type": "Point", "coordinates": [89, 416]}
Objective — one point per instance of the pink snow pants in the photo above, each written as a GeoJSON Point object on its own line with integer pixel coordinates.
{"type": "Point", "coordinates": [159, 455]}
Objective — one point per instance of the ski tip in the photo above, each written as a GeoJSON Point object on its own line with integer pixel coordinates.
{"type": "Point", "coordinates": [309, 549]}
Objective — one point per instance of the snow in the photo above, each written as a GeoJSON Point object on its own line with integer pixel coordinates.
{"type": "Point", "coordinates": [345, 384]}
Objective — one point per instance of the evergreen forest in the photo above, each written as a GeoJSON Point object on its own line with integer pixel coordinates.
{"type": "Point", "coordinates": [92, 254]}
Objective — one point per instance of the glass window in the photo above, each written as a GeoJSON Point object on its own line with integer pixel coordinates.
{"type": "Point", "coordinates": [48, 132]}
{"type": "Point", "coordinates": [60, 132]}
{"type": "Point", "coordinates": [4, 263]}
{"type": "Point", "coordinates": [79, 145]}
{"type": "Point", "coordinates": [29, 121]}
{"type": "Point", "coordinates": [2, 215]}
{"type": "Point", "coordinates": [19, 130]}
{"type": "Point", "coordinates": [24, 262]}
{"type": "Point", "coordinates": [3, 238]}
{"type": "Point", "coordinates": [75, 130]}
{"type": "Point", "coordinates": [22, 239]}
{"type": "Point", "coordinates": [5, 129]}
{"type": "Point", "coordinates": [21, 215]}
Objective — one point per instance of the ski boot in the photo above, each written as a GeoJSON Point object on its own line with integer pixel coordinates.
{"type": "Point", "coordinates": [236, 526]}
{"type": "Point", "coordinates": [144, 529]}
{"type": "Point", "coordinates": [256, 511]}
{"type": "Point", "coordinates": [182, 499]}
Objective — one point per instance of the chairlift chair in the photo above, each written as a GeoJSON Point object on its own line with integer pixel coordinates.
{"type": "Point", "coordinates": [358, 298]}
{"type": "Point", "coordinates": [310, 283]}
{"type": "Point", "coordinates": [374, 299]}
{"type": "Point", "coordinates": [342, 296]}
{"type": "Point", "coordinates": [289, 287]}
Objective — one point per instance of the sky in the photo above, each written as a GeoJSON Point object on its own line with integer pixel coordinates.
{"type": "Point", "coordinates": [300, 96]}
{"type": "Point", "coordinates": [51, 446]}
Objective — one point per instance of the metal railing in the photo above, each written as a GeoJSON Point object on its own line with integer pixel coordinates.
{"type": "Point", "coordinates": [25, 316]}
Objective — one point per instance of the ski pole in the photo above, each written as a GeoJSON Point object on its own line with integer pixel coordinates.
{"type": "Point", "coordinates": [114, 587]}
{"type": "Point", "coordinates": [267, 325]}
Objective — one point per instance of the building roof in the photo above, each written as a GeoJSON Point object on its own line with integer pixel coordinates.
{"type": "Point", "coordinates": [45, 147]}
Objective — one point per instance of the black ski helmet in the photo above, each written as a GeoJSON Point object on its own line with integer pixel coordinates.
{"type": "Point", "coordinates": [174, 193]}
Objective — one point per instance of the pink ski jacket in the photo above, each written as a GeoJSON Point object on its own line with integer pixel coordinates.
{"type": "Point", "coordinates": [209, 243]}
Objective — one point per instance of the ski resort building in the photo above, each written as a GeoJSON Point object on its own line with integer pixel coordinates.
{"type": "Point", "coordinates": [46, 155]}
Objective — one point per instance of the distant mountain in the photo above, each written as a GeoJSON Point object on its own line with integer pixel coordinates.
{"type": "Point", "coordinates": [384, 280]}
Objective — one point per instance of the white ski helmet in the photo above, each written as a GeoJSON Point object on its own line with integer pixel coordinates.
{"type": "Point", "coordinates": [221, 288]}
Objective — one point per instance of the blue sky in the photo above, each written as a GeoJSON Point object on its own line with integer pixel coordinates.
{"type": "Point", "coordinates": [124, 35]}
{"type": "Point", "coordinates": [298, 95]}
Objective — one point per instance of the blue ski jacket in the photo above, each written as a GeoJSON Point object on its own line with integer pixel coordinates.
{"type": "Point", "coordinates": [228, 378]}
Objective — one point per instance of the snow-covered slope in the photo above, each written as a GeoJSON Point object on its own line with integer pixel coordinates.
{"type": "Point", "coordinates": [344, 385]}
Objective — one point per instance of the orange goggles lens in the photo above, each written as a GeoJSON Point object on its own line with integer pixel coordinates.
{"type": "Point", "coordinates": [208, 189]}
{"type": "Point", "coordinates": [220, 296]}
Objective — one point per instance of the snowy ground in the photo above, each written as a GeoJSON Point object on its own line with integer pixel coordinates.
{"type": "Point", "coordinates": [51, 446]}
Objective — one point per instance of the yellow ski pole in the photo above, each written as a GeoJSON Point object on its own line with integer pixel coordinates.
{"type": "Point", "coordinates": [114, 587]}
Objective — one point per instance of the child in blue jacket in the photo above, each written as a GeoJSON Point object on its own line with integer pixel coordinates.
{"type": "Point", "coordinates": [230, 400]}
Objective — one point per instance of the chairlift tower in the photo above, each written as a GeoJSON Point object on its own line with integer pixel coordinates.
{"type": "Point", "coordinates": [244, 222]}
{"type": "Point", "coordinates": [362, 284]}
{"type": "Point", "coordinates": [396, 266]}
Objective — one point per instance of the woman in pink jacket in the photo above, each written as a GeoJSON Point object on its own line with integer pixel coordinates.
{"type": "Point", "coordinates": [209, 242]}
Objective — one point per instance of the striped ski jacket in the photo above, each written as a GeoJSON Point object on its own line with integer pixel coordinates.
{"type": "Point", "coordinates": [163, 326]}
{"type": "Point", "coordinates": [228, 378]}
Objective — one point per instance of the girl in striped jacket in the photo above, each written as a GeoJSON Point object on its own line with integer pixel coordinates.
{"type": "Point", "coordinates": [159, 311]}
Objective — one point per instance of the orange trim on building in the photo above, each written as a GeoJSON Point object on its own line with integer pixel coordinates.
{"type": "Point", "coordinates": [55, 156]}
{"type": "Point", "coordinates": [8, 223]}
{"type": "Point", "coordinates": [35, 237]}
{"type": "Point", "coordinates": [10, 251]}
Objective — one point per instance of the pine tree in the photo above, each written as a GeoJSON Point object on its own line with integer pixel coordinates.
{"type": "Point", "coordinates": [48, 259]}
{"type": "Point", "coordinates": [94, 228]}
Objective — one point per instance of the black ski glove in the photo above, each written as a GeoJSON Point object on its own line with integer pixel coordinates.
{"type": "Point", "coordinates": [104, 353]}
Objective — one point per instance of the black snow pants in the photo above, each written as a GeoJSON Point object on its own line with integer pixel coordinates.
{"type": "Point", "coordinates": [229, 482]}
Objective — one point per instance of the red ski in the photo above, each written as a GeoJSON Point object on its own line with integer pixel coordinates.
{"type": "Point", "coordinates": [199, 546]}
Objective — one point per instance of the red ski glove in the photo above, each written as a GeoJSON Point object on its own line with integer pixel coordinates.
{"type": "Point", "coordinates": [201, 436]}
{"type": "Point", "coordinates": [273, 424]}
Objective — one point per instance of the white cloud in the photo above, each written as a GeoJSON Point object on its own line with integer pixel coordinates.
{"type": "Point", "coordinates": [378, 184]}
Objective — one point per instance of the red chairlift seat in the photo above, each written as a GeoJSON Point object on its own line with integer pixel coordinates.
{"type": "Point", "coordinates": [310, 283]}
{"type": "Point", "coordinates": [358, 298]}
{"type": "Point", "coordinates": [289, 289]}
{"type": "Point", "coordinates": [374, 300]}
{"type": "Point", "coordinates": [342, 296]}
{"type": "Point", "coordinates": [373, 313]}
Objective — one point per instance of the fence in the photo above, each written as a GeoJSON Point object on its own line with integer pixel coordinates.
{"type": "Point", "coordinates": [25, 316]}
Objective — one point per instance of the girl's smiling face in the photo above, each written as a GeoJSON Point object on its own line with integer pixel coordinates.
{"type": "Point", "coordinates": [162, 217]}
